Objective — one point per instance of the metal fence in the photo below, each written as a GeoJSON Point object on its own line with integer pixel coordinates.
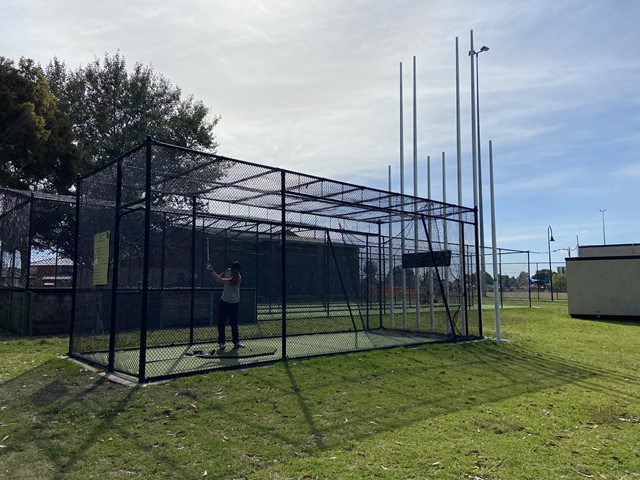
{"type": "Point", "coordinates": [36, 268]}
{"type": "Point", "coordinates": [327, 267]}
{"type": "Point", "coordinates": [523, 276]}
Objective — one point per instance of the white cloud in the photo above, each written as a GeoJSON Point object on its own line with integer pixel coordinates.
{"type": "Point", "coordinates": [313, 85]}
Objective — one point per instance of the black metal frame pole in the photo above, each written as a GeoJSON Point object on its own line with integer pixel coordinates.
{"type": "Point", "coordinates": [368, 284]}
{"type": "Point", "coordinates": [439, 278]}
{"type": "Point", "coordinates": [463, 283]}
{"type": "Point", "coordinates": [283, 263]}
{"type": "Point", "coordinates": [27, 282]}
{"type": "Point", "coordinates": [380, 270]}
{"type": "Point", "coordinates": [113, 324]}
{"type": "Point", "coordinates": [1, 246]}
{"type": "Point", "coordinates": [193, 270]}
{"type": "Point", "coordinates": [74, 282]}
{"type": "Point", "coordinates": [327, 290]}
{"type": "Point", "coordinates": [164, 247]}
{"type": "Point", "coordinates": [500, 279]}
{"type": "Point", "coordinates": [478, 267]}
{"type": "Point", "coordinates": [144, 314]}
{"type": "Point", "coordinates": [529, 275]}
{"type": "Point", "coordinates": [344, 288]}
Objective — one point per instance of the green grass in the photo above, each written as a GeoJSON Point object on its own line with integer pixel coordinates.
{"type": "Point", "coordinates": [561, 399]}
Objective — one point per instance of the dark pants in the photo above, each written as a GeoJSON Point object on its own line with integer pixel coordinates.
{"type": "Point", "coordinates": [228, 311]}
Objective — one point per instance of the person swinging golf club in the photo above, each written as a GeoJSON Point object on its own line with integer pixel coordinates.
{"type": "Point", "coordinates": [230, 280]}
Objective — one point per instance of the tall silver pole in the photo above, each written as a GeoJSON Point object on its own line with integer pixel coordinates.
{"type": "Point", "coordinates": [416, 271]}
{"type": "Point", "coordinates": [480, 196]}
{"type": "Point", "coordinates": [462, 273]}
{"type": "Point", "coordinates": [458, 136]}
{"type": "Point", "coordinates": [494, 249]}
{"type": "Point", "coordinates": [604, 237]}
{"type": "Point", "coordinates": [392, 298]}
{"type": "Point", "coordinates": [445, 236]}
{"type": "Point", "coordinates": [549, 240]}
{"type": "Point", "coordinates": [473, 146]}
{"type": "Point", "coordinates": [473, 125]}
{"type": "Point", "coordinates": [432, 318]}
{"type": "Point", "coordinates": [402, 234]}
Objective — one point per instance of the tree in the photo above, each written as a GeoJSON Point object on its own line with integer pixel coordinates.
{"type": "Point", "coordinates": [560, 282]}
{"type": "Point", "coordinates": [36, 139]}
{"type": "Point", "coordinates": [523, 280]}
{"type": "Point", "coordinates": [112, 111]}
{"type": "Point", "coordinates": [542, 275]}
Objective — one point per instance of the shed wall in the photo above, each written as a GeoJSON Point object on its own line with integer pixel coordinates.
{"type": "Point", "coordinates": [604, 286]}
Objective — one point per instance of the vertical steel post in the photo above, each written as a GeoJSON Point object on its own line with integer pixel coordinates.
{"type": "Point", "coordinates": [416, 271]}
{"type": "Point", "coordinates": [463, 285]}
{"type": "Point", "coordinates": [473, 123]}
{"type": "Point", "coordinates": [164, 247]}
{"type": "Point", "coordinates": [380, 270]}
{"type": "Point", "coordinates": [529, 275]}
{"type": "Point", "coordinates": [496, 281]}
{"type": "Point", "coordinates": [392, 296]}
{"type": "Point", "coordinates": [27, 282]}
{"type": "Point", "coordinates": [283, 260]}
{"type": "Point", "coordinates": [74, 281]}
{"type": "Point", "coordinates": [367, 271]}
{"type": "Point", "coordinates": [445, 229]}
{"type": "Point", "coordinates": [475, 211]}
{"type": "Point", "coordinates": [193, 270]}
{"type": "Point", "coordinates": [144, 316]}
{"type": "Point", "coordinates": [402, 232]}
{"type": "Point", "coordinates": [114, 273]}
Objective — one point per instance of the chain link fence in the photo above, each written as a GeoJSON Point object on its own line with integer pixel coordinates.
{"type": "Point", "coordinates": [327, 267]}
{"type": "Point", "coordinates": [523, 277]}
{"type": "Point", "coordinates": [36, 268]}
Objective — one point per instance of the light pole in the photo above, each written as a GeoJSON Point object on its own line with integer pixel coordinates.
{"type": "Point", "coordinates": [480, 205]}
{"type": "Point", "coordinates": [549, 240]}
{"type": "Point", "coordinates": [604, 237]}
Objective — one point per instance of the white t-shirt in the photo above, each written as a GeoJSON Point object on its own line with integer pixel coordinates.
{"type": "Point", "coordinates": [231, 290]}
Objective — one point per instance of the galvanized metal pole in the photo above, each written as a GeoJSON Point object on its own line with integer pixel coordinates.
{"type": "Point", "coordinates": [462, 282]}
{"type": "Point", "coordinates": [432, 318]}
{"type": "Point", "coordinates": [402, 233]}
{"type": "Point", "coordinates": [416, 271]}
{"type": "Point", "coordinates": [391, 266]}
{"type": "Point", "coordinates": [496, 303]}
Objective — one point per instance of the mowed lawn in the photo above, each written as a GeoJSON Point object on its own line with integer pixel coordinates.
{"type": "Point", "coordinates": [559, 399]}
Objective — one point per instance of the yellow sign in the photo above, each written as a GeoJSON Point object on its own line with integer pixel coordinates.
{"type": "Point", "coordinates": [101, 258]}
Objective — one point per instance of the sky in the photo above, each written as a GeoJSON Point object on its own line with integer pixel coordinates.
{"type": "Point", "coordinates": [313, 86]}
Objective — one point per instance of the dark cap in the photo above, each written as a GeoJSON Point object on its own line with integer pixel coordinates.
{"type": "Point", "coordinates": [236, 265]}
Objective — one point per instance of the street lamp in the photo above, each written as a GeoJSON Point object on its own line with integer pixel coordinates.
{"type": "Point", "coordinates": [480, 205]}
{"type": "Point", "coordinates": [604, 238]}
{"type": "Point", "coordinates": [549, 240]}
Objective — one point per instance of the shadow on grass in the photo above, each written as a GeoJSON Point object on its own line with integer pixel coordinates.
{"type": "Point", "coordinates": [338, 400]}
{"type": "Point", "coordinates": [417, 386]}
{"type": "Point", "coordinates": [46, 397]}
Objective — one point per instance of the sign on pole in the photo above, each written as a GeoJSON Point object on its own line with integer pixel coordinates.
{"type": "Point", "coordinates": [101, 258]}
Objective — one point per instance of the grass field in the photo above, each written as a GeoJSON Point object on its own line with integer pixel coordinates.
{"type": "Point", "coordinates": [560, 399]}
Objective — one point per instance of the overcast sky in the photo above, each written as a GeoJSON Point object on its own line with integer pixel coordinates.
{"type": "Point", "coordinates": [313, 86]}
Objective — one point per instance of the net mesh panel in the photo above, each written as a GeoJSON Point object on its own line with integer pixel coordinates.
{"type": "Point", "coordinates": [92, 321]}
{"type": "Point", "coordinates": [14, 234]}
{"type": "Point", "coordinates": [36, 247]}
{"type": "Point", "coordinates": [514, 274]}
{"type": "Point", "coordinates": [14, 231]}
{"type": "Point", "coordinates": [331, 277]}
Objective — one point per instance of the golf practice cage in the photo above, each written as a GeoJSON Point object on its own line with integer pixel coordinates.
{"type": "Point", "coordinates": [327, 267]}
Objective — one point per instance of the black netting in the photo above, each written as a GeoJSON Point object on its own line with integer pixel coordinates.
{"type": "Point", "coordinates": [322, 264]}
{"type": "Point", "coordinates": [36, 269]}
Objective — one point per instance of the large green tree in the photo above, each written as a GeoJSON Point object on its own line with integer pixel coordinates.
{"type": "Point", "coordinates": [113, 110]}
{"type": "Point", "coordinates": [36, 140]}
